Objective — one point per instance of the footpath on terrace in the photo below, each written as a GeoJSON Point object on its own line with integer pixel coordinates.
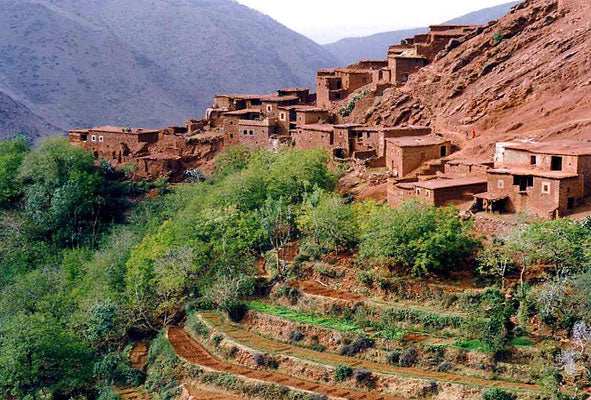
{"type": "Point", "coordinates": [191, 351]}
{"type": "Point", "coordinates": [252, 340]}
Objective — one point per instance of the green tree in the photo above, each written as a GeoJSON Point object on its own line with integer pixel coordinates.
{"type": "Point", "coordinates": [12, 153]}
{"type": "Point", "coordinates": [278, 221]}
{"type": "Point", "coordinates": [233, 159]}
{"type": "Point", "coordinates": [497, 394]}
{"type": "Point", "coordinates": [328, 221]}
{"type": "Point", "coordinates": [39, 359]}
{"type": "Point", "coordinates": [495, 260]}
{"type": "Point", "coordinates": [421, 238]}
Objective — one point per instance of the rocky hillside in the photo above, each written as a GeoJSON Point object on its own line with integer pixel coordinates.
{"type": "Point", "coordinates": [15, 117]}
{"type": "Point", "coordinates": [525, 75]}
{"type": "Point", "coordinates": [142, 62]}
{"type": "Point", "coordinates": [350, 50]}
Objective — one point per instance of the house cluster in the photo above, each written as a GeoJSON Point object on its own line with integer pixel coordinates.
{"type": "Point", "coordinates": [547, 179]}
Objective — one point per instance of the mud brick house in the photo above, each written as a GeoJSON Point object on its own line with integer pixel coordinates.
{"type": "Point", "coordinates": [358, 141]}
{"type": "Point", "coordinates": [303, 94]}
{"type": "Point", "coordinates": [546, 179]}
{"type": "Point", "coordinates": [258, 134]}
{"type": "Point", "coordinates": [231, 121]}
{"type": "Point", "coordinates": [113, 143]}
{"type": "Point", "coordinates": [406, 154]}
{"type": "Point", "coordinates": [464, 167]}
{"type": "Point", "coordinates": [437, 192]}
{"type": "Point", "coordinates": [314, 136]}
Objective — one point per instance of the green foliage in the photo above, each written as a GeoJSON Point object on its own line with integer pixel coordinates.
{"type": "Point", "coordinates": [114, 370]}
{"type": "Point", "coordinates": [497, 394]}
{"type": "Point", "coordinates": [423, 239]}
{"type": "Point", "coordinates": [496, 260]}
{"type": "Point", "coordinates": [107, 393]}
{"type": "Point", "coordinates": [233, 159]}
{"type": "Point", "coordinates": [342, 373]}
{"type": "Point", "coordinates": [345, 112]}
{"type": "Point", "coordinates": [12, 153]}
{"type": "Point", "coordinates": [332, 323]}
{"type": "Point", "coordinates": [498, 38]}
{"type": "Point", "coordinates": [328, 222]}
{"type": "Point", "coordinates": [163, 367]}
{"type": "Point", "coordinates": [37, 355]}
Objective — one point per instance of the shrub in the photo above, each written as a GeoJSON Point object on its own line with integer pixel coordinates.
{"type": "Point", "coordinates": [217, 339]}
{"type": "Point", "coordinates": [445, 366]}
{"type": "Point", "coordinates": [197, 326]}
{"type": "Point", "coordinates": [497, 394]}
{"type": "Point", "coordinates": [237, 311]}
{"type": "Point", "coordinates": [296, 336]}
{"type": "Point", "coordinates": [290, 293]}
{"type": "Point", "coordinates": [498, 38]}
{"type": "Point", "coordinates": [365, 278]}
{"type": "Point", "coordinates": [359, 344]}
{"type": "Point", "coordinates": [409, 357]}
{"type": "Point", "coordinates": [342, 373]}
{"type": "Point", "coordinates": [265, 361]}
{"type": "Point", "coordinates": [364, 377]}
{"type": "Point", "coordinates": [394, 357]}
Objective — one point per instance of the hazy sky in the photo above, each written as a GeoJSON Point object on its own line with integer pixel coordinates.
{"type": "Point", "coordinates": [326, 21]}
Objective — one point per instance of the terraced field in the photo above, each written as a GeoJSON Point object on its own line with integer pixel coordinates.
{"type": "Point", "coordinates": [191, 351]}
{"type": "Point", "coordinates": [258, 342]}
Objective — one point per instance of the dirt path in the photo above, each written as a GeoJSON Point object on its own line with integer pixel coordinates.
{"type": "Point", "coordinates": [252, 340]}
{"type": "Point", "coordinates": [198, 393]}
{"type": "Point", "coordinates": [191, 351]}
{"type": "Point", "coordinates": [138, 357]}
{"type": "Point", "coordinates": [131, 394]}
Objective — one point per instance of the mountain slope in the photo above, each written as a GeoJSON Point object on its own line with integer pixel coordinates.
{"type": "Point", "coordinates": [16, 118]}
{"type": "Point", "coordinates": [350, 50]}
{"type": "Point", "coordinates": [144, 62]}
{"type": "Point", "coordinates": [526, 75]}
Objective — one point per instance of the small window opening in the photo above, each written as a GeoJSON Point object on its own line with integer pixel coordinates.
{"type": "Point", "coordinates": [556, 163]}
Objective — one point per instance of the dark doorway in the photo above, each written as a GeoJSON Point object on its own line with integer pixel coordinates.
{"type": "Point", "coordinates": [571, 203]}
{"type": "Point", "coordinates": [443, 151]}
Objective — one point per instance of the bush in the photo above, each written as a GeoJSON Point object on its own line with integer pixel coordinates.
{"type": "Point", "coordinates": [445, 366]}
{"type": "Point", "coordinates": [237, 311]}
{"type": "Point", "coordinates": [265, 361]}
{"type": "Point", "coordinates": [394, 357]}
{"type": "Point", "coordinates": [197, 326]}
{"type": "Point", "coordinates": [409, 357]}
{"type": "Point", "coordinates": [217, 339]}
{"type": "Point", "coordinates": [290, 293]}
{"type": "Point", "coordinates": [342, 373]}
{"type": "Point", "coordinates": [107, 393]}
{"type": "Point", "coordinates": [296, 336]}
{"type": "Point", "coordinates": [497, 394]}
{"type": "Point", "coordinates": [359, 344]}
{"type": "Point", "coordinates": [364, 377]}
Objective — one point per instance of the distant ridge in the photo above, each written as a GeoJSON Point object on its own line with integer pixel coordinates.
{"type": "Point", "coordinates": [350, 50]}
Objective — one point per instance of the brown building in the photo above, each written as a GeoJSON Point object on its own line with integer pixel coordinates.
{"type": "Point", "coordinates": [402, 66]}
{"type": "Point", "coordinates": [437, 192]}
{"type": "Point", "coordinates": [464, 167]}
{"type": "Point", "coordinates": [545, 179]}
{"type": "Point", "coordinates": [258, 134]}
{"type": "Point", "coordinates": [405, 154]}
{"type": "Point", "coordinates": [314, 136]}
{"type": "Point", "coordinates": [113, 143]}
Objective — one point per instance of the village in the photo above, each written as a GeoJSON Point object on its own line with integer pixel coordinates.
{"type": "Point", "coordinates": [545, 179]}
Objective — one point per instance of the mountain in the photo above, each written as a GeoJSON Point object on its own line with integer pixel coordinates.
{"type": "Point", "coordinates": [15, 117]}
{"type": "Point", "coordinates": [527, 75]}
{"type": "Point", "coordinates": [151, 63]}
{"type": "Point", "coordinates": [350, 50]}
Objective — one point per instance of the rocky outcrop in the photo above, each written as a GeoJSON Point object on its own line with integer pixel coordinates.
{"type": "Point", "coordinates": [526, 75]}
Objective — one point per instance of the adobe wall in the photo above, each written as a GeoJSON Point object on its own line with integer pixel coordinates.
{"type": "Point", "coordinates": [533, 200]}
{"type": "Point", "coordinates": [405, 160]}
{"type": "Point", "coordinates": [513, 158]}
{"type": "Point", "coordinates": [256, 135]}
{"type": "Point", "coordinates": [314, 117]}
{"type": "Point", "coordinates": [403, 67]}
{"type": "Point", "coordinates": [306, 139]}
{"type": "Point", "coordinates": [467, 169]}
{"type": "Point", "coordinates": [230, 124]}
{"type": "Point", "coordinates": [397, 196]}
{"type": "Point", "coordinates": [443, 196]}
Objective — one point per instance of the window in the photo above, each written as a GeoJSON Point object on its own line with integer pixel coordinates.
{"type": "Point", "coordinates": [101, 139]}
{"type": "Point", "coordinates": [443, 151]}
{"type": "Point", "coordinates": [93, 138]}
{"type": "Point", "coordinates": [282, 116]}
{"type": "Point", "coordinates": [428, 193]}
{"type": "Point", "coordinates": [251, 133]}
{"type": "Point", "coordinates": [269, 108]}
{"type": "Point", "coordinates": [501, 184]}
{"type": "Point", "coordinates": [337, 96]}
{"type": "Point", "coordinates": [418, 191]}
{"type": "Point", "coordinates": [245, 132]}
{"type": "Point", "coordinates": [556, 163]}
{"type": "Point", "coordinates": [533, 160]}
{"type": "Point", "coordinates": [546, 187]}
{"type": "Point", "coordinates": [231, 136]}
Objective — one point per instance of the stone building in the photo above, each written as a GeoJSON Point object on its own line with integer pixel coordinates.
{"type": "Point", "coordinates": [547, 179]}
{"type": "Point", "coordinates": [258, 134]}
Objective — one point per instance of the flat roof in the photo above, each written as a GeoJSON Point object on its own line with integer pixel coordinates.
{"type": "Point", "coordinates": [276, 98]}
{"type": "Point", "coordinates": [525, 171]}
{"type": "Point", "coordinates": [417, 141]}
{"type": "Point", "coordinates": [303, 108]}
{"type": "Point", "coordinates": [318, 127]}
{"type": "Point", "coordinates": [561, 147]}
{"type": "Point", "coordinates": [245, 111]}
{"type": "Point", "coordinates": [116, 129]}
{"type": "Point", "coordinates": [243, 96]}
{"type": "Point", "coordinates": [449, 183]}
{"type": "Point", "coordinates": [297, 89]}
